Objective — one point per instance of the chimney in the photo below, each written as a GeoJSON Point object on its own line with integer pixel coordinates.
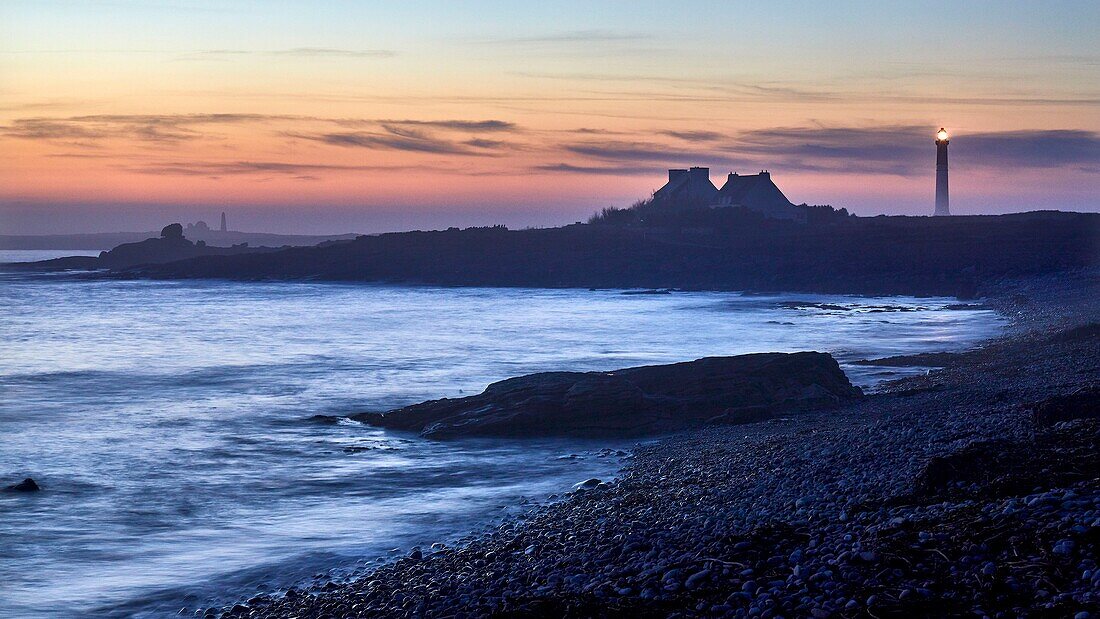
{"type": "Point", "coordinates": [223, 221]}
{"type": "Point", "coordinates": [700, 172]}
{"type": "Point", "coordinates": [675, 174]}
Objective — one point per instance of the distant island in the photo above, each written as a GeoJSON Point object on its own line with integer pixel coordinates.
{"type": "Point", "coordinates": [197, 231]}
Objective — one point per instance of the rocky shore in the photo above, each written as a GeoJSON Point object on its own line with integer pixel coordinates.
{"type": "Point", "coordinates": [691, 249]}
{"type": "Point", "coordinates": [970, 491]}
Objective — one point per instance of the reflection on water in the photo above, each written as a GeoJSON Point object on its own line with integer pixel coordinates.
{"type": "Point", "coordinates": [169, 421]}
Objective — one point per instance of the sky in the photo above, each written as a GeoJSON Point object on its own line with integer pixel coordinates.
{"type": "Point", "coordinates": [326, 117]}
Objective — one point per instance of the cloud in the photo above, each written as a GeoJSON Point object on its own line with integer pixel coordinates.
{"type": "Point", "coordinates": [457, 125]}
{"type": "Point", "coordinates": [593, 131]}
{"type": "Point", "coordinates": [411, 136]}
{"type": "Point", "coordinates": [87, 155]}
{"type": "Point", "coordinates": [1033, 149]}
{"type": "Point", "coordinates": [169, 129]}
{"type": "Point", "coordinates": [144, 127]}
{"type": "Point", "coordinates": [393, 140]}
{"type": "Point", "coordinates": [899, 150]}
{"type": "Point", "coordinates": [896, 150]}
{"type": "Point", "coordinates": [678, 88]}
{"type": "Point", "coordinates": [45, 129]}
{"type": "Point", "coordinates": [626, 152]}
{"type": "Point", "coordinates": [598, 170]}
{"type": "Point", "coordinates": [482, 143]}
{"type": "Point", "coordinates": [694, 136]}
{"type": "Point", "coordinates": [228, 168]}
{"type": "Point", "coordinates": [666, 87]}
{"type": "Point", "coordinates": [906, 149]}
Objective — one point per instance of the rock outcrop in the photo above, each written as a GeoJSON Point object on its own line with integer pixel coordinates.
{"type": "Point", "coordinates": [1082, 403]}
{"type": "Point", "coordinates": [634, 401]}
{"type": "Point", "coordinates": [171, 246]}
{"type": "Point", "coordinates": [712, 249]}
{"type": "Point", "coordinates": [172, 231]}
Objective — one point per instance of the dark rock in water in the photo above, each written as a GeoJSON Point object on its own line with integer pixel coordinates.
{"type": "Point", "coordinates": [633, 401]}
{"type": "Point", "coordinates": [1084, 403]}
{"type": "Point", "coordinates": [329, 420]}
{"type": "Point", "coordinates": [924, 359]}
{"type": "Point", "coordinates": [27, 485]}
{"type": "Point", "coordinates": [812, 305]}
{"type": "Point", "coordinates": [965, 306]}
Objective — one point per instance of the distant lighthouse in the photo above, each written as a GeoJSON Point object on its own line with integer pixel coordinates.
{"type": "Point", "coordinates": [223, 212]}
{"type": "Point", "coordinates": [942, 200]}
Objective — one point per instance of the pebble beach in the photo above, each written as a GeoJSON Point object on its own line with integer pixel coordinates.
{"type": "Point", "coordinates": [937, 495]}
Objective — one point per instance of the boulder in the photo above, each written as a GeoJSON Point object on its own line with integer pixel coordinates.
{"type": "Point", "coordinates": [1082, 403]}
{"type": "Point", "coordinates": [633, 401]}
{"type": "Point", "coordinates": [27, 485]}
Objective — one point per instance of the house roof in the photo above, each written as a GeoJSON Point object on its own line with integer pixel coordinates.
{"type": "Point", "coordinates": [693, 184]}
{"type": "Point", "coordinates": [738, 186]}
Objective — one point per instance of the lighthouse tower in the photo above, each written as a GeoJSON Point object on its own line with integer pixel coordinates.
{"type": "Point", "coordinates": [942, 200]}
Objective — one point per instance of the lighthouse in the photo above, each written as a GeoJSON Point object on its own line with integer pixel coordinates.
{"type": "Point", "coordinates": [942, 200]}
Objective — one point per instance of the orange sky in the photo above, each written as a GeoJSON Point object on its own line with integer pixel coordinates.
{"type": "Point", "coordinates": [429, 114]}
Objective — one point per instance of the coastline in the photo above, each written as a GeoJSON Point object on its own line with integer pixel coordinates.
{"type": "Point", "coordinates": [820, 514]}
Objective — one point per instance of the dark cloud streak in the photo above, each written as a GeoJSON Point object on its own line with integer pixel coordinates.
{"type": "Point", "coordinates": [456, 125]}
{"type": "Point", "coordinates": [1036, 149]}
{"type": "Point", "coordinates": [400, 140]}
{"type": "Point", "coordinates": [569, 168]}
{"type": "Point", "coordinates": [168, 129]}
{"type": "Point", "coordinates": [905, 150]}
{"type": "Point", "coordinates": [191, 168]}
{"type": "Point", "coordinates": [694, 136]}
{"type": "Point", "coordinates": [637, 152]}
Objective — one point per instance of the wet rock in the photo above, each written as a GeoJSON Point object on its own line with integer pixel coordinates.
{"type": "Point", "coordinates": [27, 485]}
{"type": "Point", "coordinates": [588, 484]}
{"type": "Point", "coordinates": [927, 359]}
{"type": "Point", "coordinates": [697, 579]}
{"type": "Point", "coordinates": [633, 401]}
{"type": "Point", "coordinates": [328, 420]}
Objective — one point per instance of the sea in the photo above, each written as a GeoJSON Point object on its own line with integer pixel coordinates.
{"type": "Point", "coordinates": [171, 424]}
